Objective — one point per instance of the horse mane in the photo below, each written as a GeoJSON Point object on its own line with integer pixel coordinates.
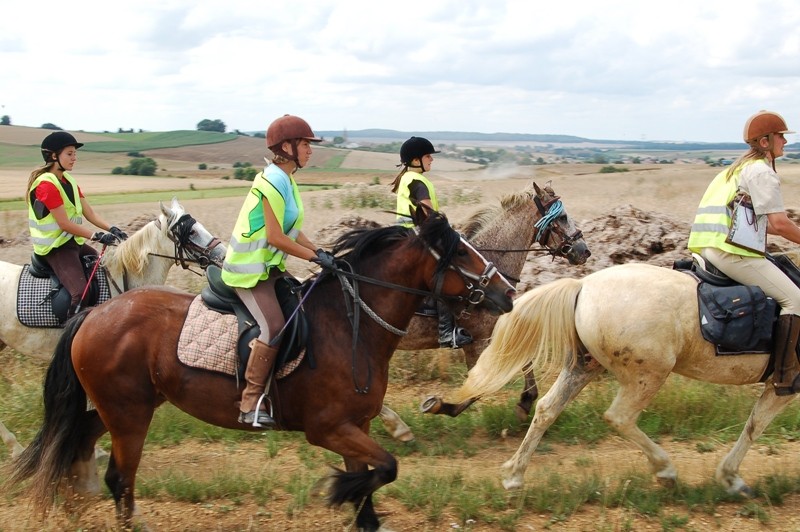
{"type": "Point", "coordinates": [132, 255]}
{"type": "Point", "coordinates": [485, 216]}
{"type": "Point", "coordinates": [435, 231]}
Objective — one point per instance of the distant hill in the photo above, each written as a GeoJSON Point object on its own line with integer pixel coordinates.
{"type": "Point", "coordinates": [465, 136]}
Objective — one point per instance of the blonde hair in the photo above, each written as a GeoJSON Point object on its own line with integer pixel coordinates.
{"type": "Point", "coordinates": [36, 173]}
{"type": "Point", "coordinates": [754, 153]}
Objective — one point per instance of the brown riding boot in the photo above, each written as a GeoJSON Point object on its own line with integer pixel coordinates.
{"type": "Point", "coordinates": [259, 369]}
{"type": "Point", "coordinates": [786, 377]}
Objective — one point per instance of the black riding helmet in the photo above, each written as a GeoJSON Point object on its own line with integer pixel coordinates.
{"type": "Point", "coordinates": [57, 141]}
{"type": "Point", "coordinates": [415, 148]}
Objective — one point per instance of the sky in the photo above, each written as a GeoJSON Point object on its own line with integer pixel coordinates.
{"type": "Point", "coordinates": [676, 70]}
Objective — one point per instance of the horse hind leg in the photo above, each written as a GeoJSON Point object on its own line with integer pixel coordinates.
{"type": "Point", "coordinates": [567, 386]}
{"type": "Point", "coordinates": [395, 425]}
{"type": "Point", "coordinates": [11, 441]}
{"type": "Point", "coordinates": [622, 415]}
{"type": "Point", "coordinates": [764, 411]}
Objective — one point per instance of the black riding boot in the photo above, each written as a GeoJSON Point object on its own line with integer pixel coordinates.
{"type": "Point", "coordinates": [786, 377]}
{"type": "Point", "coordinates": [451, 335]}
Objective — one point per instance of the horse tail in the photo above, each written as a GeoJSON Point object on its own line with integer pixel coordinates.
{"type": "Point", "coordinates": [48, 458]}
{"type": "Point", "coordinates": [539, 328]}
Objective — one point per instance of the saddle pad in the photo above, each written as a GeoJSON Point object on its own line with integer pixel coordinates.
{"type": "Point", "coordinates": [208, 341]}
{"type": "Point", "coordinates": [33, 302]}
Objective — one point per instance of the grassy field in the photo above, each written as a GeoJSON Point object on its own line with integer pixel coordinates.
{"type": "Point", "coordinates": [583, 476]}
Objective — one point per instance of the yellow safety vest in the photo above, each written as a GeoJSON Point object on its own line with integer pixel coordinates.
{"type": "Point", "coordinates": [249, 256]}
{"type": "Point", "coordinates": [404, 204]}
{"type": "Point", "coordinates": [46, 233]}
{"type": "Point", "coordinates": [713, 218]}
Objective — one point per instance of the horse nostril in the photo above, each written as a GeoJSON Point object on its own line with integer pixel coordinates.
{"type": "Point", "coordinates": [510, 292]}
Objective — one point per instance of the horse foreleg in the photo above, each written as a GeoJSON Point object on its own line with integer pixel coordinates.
{"type": "Point", "coordinates": [566, 387]}
{"type": "Point", "coordinates": [528, 396]}
{"type": "Point", "coordinates": [358, 483]}
{"type": "Point", "coordinates": [11, 441]}
{"type": "Point", "coordinates": [395, 425]}
{"type": "Point", "coordinates": [764, 411]}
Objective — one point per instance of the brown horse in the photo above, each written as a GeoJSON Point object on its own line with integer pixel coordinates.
{"type": "Point", "coordinates": [504, 234]}
{"type": "Point", "coordinates": [332, 400]}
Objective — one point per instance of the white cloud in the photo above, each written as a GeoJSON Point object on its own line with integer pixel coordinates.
{"type": "Point", "coordinates": [620, 69]}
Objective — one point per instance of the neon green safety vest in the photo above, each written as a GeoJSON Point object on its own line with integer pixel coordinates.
{"type": "Point", "coordinates": [45, 233]}
{"type": "Point", "coordinates": [713, 218]}
{"type": "Point", "coordinates": [404, 204]}
{"type": "Point", "coordinates": [249, 256]}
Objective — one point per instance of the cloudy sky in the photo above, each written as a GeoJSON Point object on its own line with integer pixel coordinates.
{"type": "Point", "coordinates": [612, 69]}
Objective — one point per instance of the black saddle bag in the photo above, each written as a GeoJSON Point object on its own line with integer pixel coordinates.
{"type": "Point", "coordinates": [736, 318]}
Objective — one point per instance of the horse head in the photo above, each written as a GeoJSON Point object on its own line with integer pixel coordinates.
{"type": "Point", "coordinates": [556, 231]}
{"type": "Point", "coordinates": [193, 242]}
{"type": "Point", "coordinates": [461, 276]}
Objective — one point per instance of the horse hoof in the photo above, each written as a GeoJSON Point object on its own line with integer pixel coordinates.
{"type": "Point", "coordinates": [431, 405]}
{"type": "Point", "coordinates": [667, 482]}
{"type": "Point", "coordinates": [512, 483]}
{"type": "Point", "coordinates": [405, 437]}
{"type": "Point", "coordinates": [521, 414]}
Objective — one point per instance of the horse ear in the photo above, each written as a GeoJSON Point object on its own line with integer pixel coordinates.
{"type": "Point", "coordinates": [419, 213]}
{"type": "Point", "coordinates": [164, 209]}
{"type": "Point", "coordinates": [175, 205]}
{"type": "Point", "coordinates": [537, 189]}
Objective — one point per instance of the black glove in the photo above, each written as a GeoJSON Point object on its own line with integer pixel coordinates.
{"type": "Point", "coordinates": [117, 232]}
{"type": "Point", "coordinates": [104, 238]}
{"type": "Point", "coordinates": [325, 259]}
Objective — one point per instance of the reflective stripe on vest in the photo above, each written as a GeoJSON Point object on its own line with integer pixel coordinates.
{"type": "Point", "coordinates": [404, 204]}
{"type": "Point", "coordinates": [713, 217]}
{"type": "Point", "coordinates": [46, 233]}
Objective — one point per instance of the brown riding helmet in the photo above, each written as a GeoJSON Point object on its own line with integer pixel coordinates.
{"type": "Point", "coordinates": [764, 123]}
{"type": "Point", "coordinates": [289, 127]}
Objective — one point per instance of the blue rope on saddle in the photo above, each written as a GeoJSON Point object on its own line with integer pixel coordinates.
{"type": "Point", "coordinates": [549, 217]}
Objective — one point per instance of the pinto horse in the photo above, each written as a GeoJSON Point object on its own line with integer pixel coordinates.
{"type": "Point", "coordinates": [505, 234]}
{"type": "Point", "coordinates": [638, 322]}
{"type": "Point", "coordinates": [144, 259]}
{"type": "Point", "coordinates": [332, 400]}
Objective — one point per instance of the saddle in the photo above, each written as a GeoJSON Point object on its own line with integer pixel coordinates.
{"type": "Point", "coordinates": [39, 283]}
{"type": "Point", "coordinates": [221, 298]}
{"type": "Point", "coordinates": [736, 318]}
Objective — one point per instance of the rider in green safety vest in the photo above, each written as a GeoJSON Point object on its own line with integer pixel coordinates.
{"type": "Point", "coordinates": [56, 209]}
{"type": "Point", "coordinates": [413, 188]}
{"type": "Point", "coordinates": [753, 175]}
{"type": "Point", "coordinates": [268, 229]}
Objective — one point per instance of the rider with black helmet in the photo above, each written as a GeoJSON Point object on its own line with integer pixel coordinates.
{"type": "Point", "coordinates": [267, 231]}
{"type": "Point", "coordinates": [413, 188]}
{"type": "Point", "coordinates": [56, 209]}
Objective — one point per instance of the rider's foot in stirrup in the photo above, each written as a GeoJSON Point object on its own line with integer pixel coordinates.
{"type": "Point", "coordinates": [264, 419]}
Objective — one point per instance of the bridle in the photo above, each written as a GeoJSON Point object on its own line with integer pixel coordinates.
{"type": "Point", "coordinates": [180, 233]}
{"type": "Point", "coordinates": [475, 283]}
{"type": "Point", "coordinates": [550, 212]}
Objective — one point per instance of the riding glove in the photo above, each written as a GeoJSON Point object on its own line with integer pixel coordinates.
{"type": "Point", "coordinates": [117, 232]}
{"type": "Point", "coordinates": [325, 259]}
{"type": "Point", "coordinates": [104, 238]}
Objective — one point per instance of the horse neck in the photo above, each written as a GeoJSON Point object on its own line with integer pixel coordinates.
{"type": "Point", "coordinates": [513, 229]}
{"type": "Point", "coordinates": [131, 263]}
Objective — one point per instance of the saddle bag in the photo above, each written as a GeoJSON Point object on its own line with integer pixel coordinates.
{"type": "Point", "coordinates": [736, 318]}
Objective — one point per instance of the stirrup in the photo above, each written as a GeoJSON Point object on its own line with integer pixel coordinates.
{"type": "Point", "coordinates": [787, 390]}
{"type": "Point", "coordinates": [457, 338]}
{"type": "Point", "coordinates": [262, 420]}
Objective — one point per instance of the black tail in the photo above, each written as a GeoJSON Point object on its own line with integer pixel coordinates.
{"type": "Point", "coordinates": [48, 458]}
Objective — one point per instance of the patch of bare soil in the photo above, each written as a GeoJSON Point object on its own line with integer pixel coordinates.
{"type": "Point", "coordinates": [642, 216]}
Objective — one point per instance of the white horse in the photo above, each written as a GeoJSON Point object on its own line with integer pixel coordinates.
{"type": "Point", "coordinates": [143, 259]}
{"type": "Point", "coordinates": [504, 234]}
{"type": "Point", "coordinates": [640, 323]}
